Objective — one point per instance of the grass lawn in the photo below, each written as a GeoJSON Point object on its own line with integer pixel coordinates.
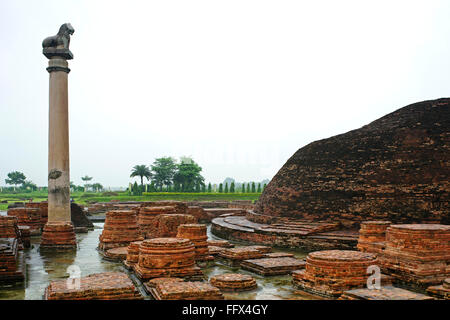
{"type": "Point", "coordinates": [85, 198]}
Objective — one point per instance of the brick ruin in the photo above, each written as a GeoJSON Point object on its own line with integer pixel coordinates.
{"type": "Point", "coordinates": [234, 282]}
{"type": "Point", "coordinates": [148, 220]}
{"type": "Point", "coordinates": [196, 233]}
{"type": "Point", "coordinates": [12, 263]}
{"type": "Point", "coordinates": [270, 266]}
{"type": "Point", "coordinates": [120, 229]}
{"type": "Point", "coordinates": [30, 217]}
{"type": "Point", "coordinates": [181, 290]}
{"type": "Point", "coordinates": [58, 235]}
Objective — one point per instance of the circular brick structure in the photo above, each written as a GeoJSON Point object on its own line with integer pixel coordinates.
{"type": "Point", "coordinates": [116, 254]}
{"type": "Point", "coordinates": [120, 229]}
{"type": "Point", "coordinates": [148, 219]}
{"type": "Point", "coordinates": [154, 282]}
{"type": "Point", "coordinates": [197, 234]}
{"type": "Point", "coordinates": [233, 282]}
{"type": "Point", "coordinates": [372, 236]}
{"type": "Point", "coordinates": [161, 257]}
{"type": "Point", "coordinates": [58, 235]}
{"type": "Point", "coordinates": [331, 272]}
{"type": "Point", "coordinates": [132, 254]}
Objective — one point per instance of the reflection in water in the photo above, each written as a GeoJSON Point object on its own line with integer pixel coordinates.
{"type": "Point", "coordinates": [43, 267]}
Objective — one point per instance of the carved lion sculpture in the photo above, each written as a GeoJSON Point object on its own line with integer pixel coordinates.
{"type": "Point", "coordinates": [61, 40]}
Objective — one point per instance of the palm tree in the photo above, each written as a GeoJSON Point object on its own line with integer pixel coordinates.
{"type": "Point", "coordinates": [141, 171]}
{"type": "Point", "coordinates": [86, 179]}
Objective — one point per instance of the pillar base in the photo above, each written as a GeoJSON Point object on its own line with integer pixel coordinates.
{"type": "Point", "coordinates": [58, 235]}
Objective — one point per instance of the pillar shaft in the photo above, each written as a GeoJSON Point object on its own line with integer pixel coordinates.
{"type": "Point", "coordinates": [58, 143]}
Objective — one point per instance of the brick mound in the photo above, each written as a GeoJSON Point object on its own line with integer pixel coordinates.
{"type": "Point", "coordinates": [99, 286]}
{"type": "Point", "coordinates": [168, 223]}
{"type": "Point", "coordinates": [9, 228]}
{"type": "Point", "coordinates": [119, 230]}
{"type": "Point", "coordinates": [273, 266]}
{"type": "Point", "coordinates": [220, 243]}
{"type": "Point", "coordinates": [25, 236]}
{"type": "Point", "coordinates": [58, 235]}
{"type": "Point", "coordinates": [417, 254]}
{"type": "Point", "coordinates": [197, 234]}
{"type": "Point", "coordinates": [441, 291]}
{"type": "Point", "coordinates": [186, 291]}
{"type": "Point", "coordinates": [199, 213]}
{"type": "Point", "coordinates": [30, 217]}
{"type": "Point", "coordinates": [116, 254]}
{"type": "Point", "coordinates": [132, 254]}
{"type": "Point", "coordinates": [278, 255]}
{"type": "Point", "coordinates": [180, 207]}
{"type": "Point", "coordinates": [11, 261]}
{"type": "Point", "coordinates": [390, 169]}
{"type": "Point", "coordinates": [372, 236]}
{"type": "Point", "coordinates": [233, 282]}
{"type": "Point", "coordinates": [329, 273]}
{"type": "Point", "coordinates": [148, 220]}
{"type": "Point", "coordinates": [167, 257]}
{"type": "Point", "coordinates": [384, 293]}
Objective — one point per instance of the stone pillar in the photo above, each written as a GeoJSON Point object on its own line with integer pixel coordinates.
{"type": "Point", "coordinates": [58, 232]}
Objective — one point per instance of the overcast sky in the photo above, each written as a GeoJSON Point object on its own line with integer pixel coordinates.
{"type": "Point", "coordinates": [237, 85]}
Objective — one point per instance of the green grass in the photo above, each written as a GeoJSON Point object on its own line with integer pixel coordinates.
{"type": "Point", "coordinates": [84, 198]}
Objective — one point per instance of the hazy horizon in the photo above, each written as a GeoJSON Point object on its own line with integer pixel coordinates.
{"type": "Point", "coordinates": [239, 85]}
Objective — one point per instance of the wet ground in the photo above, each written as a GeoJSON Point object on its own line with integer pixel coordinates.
{"type": "Point", "coordinates": [43, 268]}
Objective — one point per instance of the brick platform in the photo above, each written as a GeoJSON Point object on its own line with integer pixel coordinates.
{"type": "Point", "coordinates": [278, 255]}
{"type": "Point", "coordinates": [220, 243]}
{"type": "Point", "coordinates": [273, 266]}
{"type": "Point", "coordinates": [168, 223]}
{"type": "Point", "coordinates": [43, 209]}
{"type": "Point", "coordinates": [11, 261]}
{"type": "Point", "coordinates": [417, 255]}
{"type": "Point", "coordinates": [132, 254]}
{"type": "Point", "coordinates": [119, 230]}
{"type": "Point", "coordinates": [167, 257]}
{"type": "Point", "coordinates": [372, 236]}
{"type": "Point", "coordinates": [330, 273]}
{"type": "Point", "coordinates": [148, 220]}
{"type": "Point", "coordinates": [199, 213]}
{"type": "Point", "coordinates": [262, 249]}
{"type": "Point", "coordinates": [234, 256]}
{"type": "Point", "coordinates": [186, 291]}
{"type": "Point", "coordinates": [58, 235]}
{"type": "Point", "coordinates": [30, 217]}
{"type": "Point", "coordinates": [180, 207]}
{"type": "Point", "coordinates": [116, 254]}
{"type": "Point", "coordinates": [233, 282]}
{"type": "Point", "coordinates": [25, 236]}
{"type": "Point", "coordinates": [197, 234]}
{"type": "Point", "coordinates": [384, 293]}
{"type": "Point", "coordinates": [213, 250]}
{"type": "Point", "coordinates": [100, 286]}
{"type": "Point", "coordinates": [441, 291]}
{"type": "Point", "coordinates": [9, 228]}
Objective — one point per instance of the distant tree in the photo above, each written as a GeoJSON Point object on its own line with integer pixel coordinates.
{"type": "Point", "coordinates": [259, 187]}
{"type": "Point", "coordinates": [141, 170]}
{"type": "Point", "coordinates": [243, 187]}
{"type": "Point", "coordinates": [136, 190]}
{"type": "Point", "coordinates": [97, 187]}
{"type": "Point", "coordinates": [248, 187]}
{"type": "Point", "coordinates": [232, 187]}
{"type": "Point", "coordinates": [220, 188]}
{"type": "Point", "coordinates": [204, 188]}
{"type": "Point", "coordinates": [253, 187]}
{"type": "Point", "coordinates": [86, 178]}
{"type": "Point", "coordinates": [163, 171]}
{"type": "Point", "coordinates": [209, 187]}
{"type": "Point", "coordinates": [15, 178]}
{"type": "Point", "coordinates": [188, 175]}
{"type": "Point", "coordinates": [265, 184]}
{"type": "Point", "coordinates": [226, 188]}
{"type": "Point", "coordinates": [28, 185]}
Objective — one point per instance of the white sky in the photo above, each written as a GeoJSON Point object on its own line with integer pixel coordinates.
{"type": "Point", "coordinates": [237, 85]}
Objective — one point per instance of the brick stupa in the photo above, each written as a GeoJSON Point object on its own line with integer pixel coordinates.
{"type": "Point", "coordinates": [119, 230]}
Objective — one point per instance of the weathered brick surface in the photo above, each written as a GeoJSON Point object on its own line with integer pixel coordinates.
{"type": "Point", "coordinates": [199, 213]}
{"type": "Point", "coordinates": [148, 220]}
{"type": "Point", "coordinates": [273, 266]}
{"type": "Point", "coordinates": [168, 223]}
{"type": "Point", "coordinates": [384, 293]}
{"type": "Point", "coordinates": [43, 209]}
{"type": "Point", "coordinates": [58, 235]}
{"type": "Point", "coordinates": [331, 272]}
{"type": "Point", "coordinates": [233, 282]}
{"type": "Point", "coordinates": [30, 217]}
{"type": "Point", "coordinates": [11, 261]}
{"type": "Point", "coordinates": [418, 254]}
{"type": "Point", "coordinates": [119, 230]}
{"type": "Point", "coordinates": [166, 257]}
{"type": "Point", "coordinates": [441, 291]}
{"type": "Point", "coordinates": [186, 291]}
{"type": "Point", "coordinates": [220, 243]}
{"type": "Point", "coordinates": [132, 254]}
{"type": "Point", "coordinates": [372, 236]}
{"type": "Point", "coordinates": [234, 256]}
{"type": "Point", "coordinates": [197, 234]}
{"type": "Point", "coordinates": [395, 168]}
{"type": "Point", "coordinates": [117, 254]}
{"type": "Point", "coordinates": [100, 286]}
